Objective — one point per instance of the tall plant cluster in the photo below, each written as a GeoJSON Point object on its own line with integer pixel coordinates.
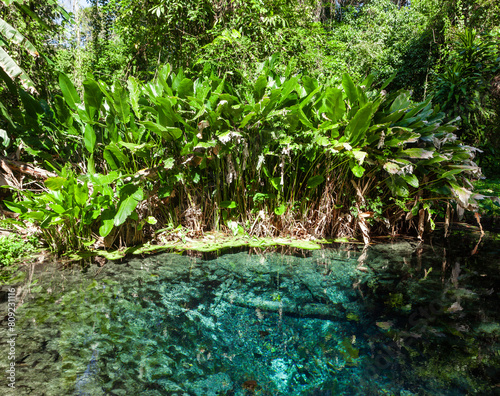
{"type": "Point", "coordinates": [466, 86]}
{"type": "Point", "coordinates": [283, 155]}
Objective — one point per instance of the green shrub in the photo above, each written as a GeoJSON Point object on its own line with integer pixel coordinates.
{"type": "Point", "coordinates": [207, 155]}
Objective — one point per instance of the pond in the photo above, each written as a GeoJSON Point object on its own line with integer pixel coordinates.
{"type": "Point", "coordinates": [394, 319]}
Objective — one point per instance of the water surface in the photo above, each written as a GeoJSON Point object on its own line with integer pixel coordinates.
{"type": "Point", "coordinates": [394, 319]}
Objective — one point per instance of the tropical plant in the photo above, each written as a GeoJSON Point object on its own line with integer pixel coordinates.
{"type": "Point", "coordinates": [463, 86]}
{"type": "Point", "coordinates": [285, 154]}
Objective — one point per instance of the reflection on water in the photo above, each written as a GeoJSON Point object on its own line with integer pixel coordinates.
{"type": "Point", "coordinates": [394, 319]}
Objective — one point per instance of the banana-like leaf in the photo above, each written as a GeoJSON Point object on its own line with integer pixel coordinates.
{"type": "Point", "coordinates": [55, 183]}
{"type": "Point", "coordinates": [166, 114]}
{"type": "Point", "coordinates": [11, 34]}
{"type": "Point", "coordinates": [62, 112]}
{"type": "Point", "coordinates": [114, 156]}
{"type": "Point", "coordinates": [310, 84]}
{"type": "Point", "coordinates": [12, 69]}
{"type": "Point", "coordinates": [81, 194]}
{"type": "Point", "coordinates": [163, 77]}
{"type": "Point", "coordinates": [401, 102]}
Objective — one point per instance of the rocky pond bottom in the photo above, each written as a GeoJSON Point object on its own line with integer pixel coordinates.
{"type": "Point", "coordinates": [393, 319]}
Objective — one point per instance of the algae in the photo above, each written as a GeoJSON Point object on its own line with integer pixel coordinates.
{"type": "Point", "coordinates": [210, 242]}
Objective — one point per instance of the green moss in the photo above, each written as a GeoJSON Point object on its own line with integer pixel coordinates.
{"type": "Point", "coordinates": [209, 243]}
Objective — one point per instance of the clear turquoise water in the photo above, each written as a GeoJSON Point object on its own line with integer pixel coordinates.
{"type": "Point", "coordinates": [338, 321]}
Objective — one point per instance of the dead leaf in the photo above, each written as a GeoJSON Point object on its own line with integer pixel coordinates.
{"type": "Point", "coordinates": [455, 307]}
{"type": "Point", "coordinates": [385, 325]}
{"type": "Point", "coordinates": [250, 385]}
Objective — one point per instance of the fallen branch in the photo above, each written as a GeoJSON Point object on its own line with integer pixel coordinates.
{"type": "Point", "coordinates": [22, 167]}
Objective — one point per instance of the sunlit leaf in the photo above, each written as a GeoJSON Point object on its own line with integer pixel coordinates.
{"type": "Point", "coordinates": [418, 153]}
{"type": "Point", "coordinates": [130, 196]}
{"type": "Point", "coordinates": [55, 183]}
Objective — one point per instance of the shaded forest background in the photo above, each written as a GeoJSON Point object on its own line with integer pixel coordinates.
{"type": "Point", "coordinates": [421, 41]}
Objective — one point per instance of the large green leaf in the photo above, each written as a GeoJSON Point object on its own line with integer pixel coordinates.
{"type": "Point", "coordinates": [134, 90]}
{"type": "Point", "coordinates": [89, 138]}
{"type": "Point", "coordinates": [260, 87]}
{"type": "Point", "coordinates": [398, 186]}
{"type": "Point", "coordinates": [11, 68]}
{"type": "Point", "coordinates": [120, 102]}
{"type": "Point", "coordinates": [32, 106]}
{"type": "Point", "coordinates": [166, 115]}
{"type": "Point", "coordinates": [107, 220]}
{"type": "Point", "coordinates": [92, 97]}
{"type": "Point", "coordinates": [288, 87]}
{"type": "Point", "coordinates": [130, 196]}
{"type": "Point", "coordinates": [357, 169]}
{"type": "Point", "coordinates": [332, 104]}
{"type": "Point", "coordinates": [315, 181]}
{"type": "Point", "coordinates": [5, 138]}
{"type": "Point", "coordinates": [55, 183]}
{"type": "Point", "coordinates": [357, 127]}
{"type": "Point", "coordinates": [350, 89]}
{"type": "Point", "coordinates": [163, 75]}
{"type": "Point", "coordinates": [12, 34]}
{"type": "Point", "coordinates": [177, 78]}
{"type": "Point", "coordinates": [168, 133]}
{"type": "Point", "coordinates": [62, 112]}
{"type": "Point", "coordinates": [280, 210]}
{"type": "Point", "coordinates": [418, 153]}
{"type": "Point", "coordinates": [401, 102]}
{"type": "Point", "coordinates": [185, 88]}
{"type": "Point", "coordinates": [310, 84]}
{"type": "Point", "coordinates": [115, 157]}
{"type": "Point", "coordinates": [411, 179]}
{"type": "Point", "coordinates": [69, 91]}
{"type": "Point", "coordinates": [81, 194]}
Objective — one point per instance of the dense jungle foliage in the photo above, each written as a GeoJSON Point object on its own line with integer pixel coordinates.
{"type": "Point", "coordinates": [130, 121]}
